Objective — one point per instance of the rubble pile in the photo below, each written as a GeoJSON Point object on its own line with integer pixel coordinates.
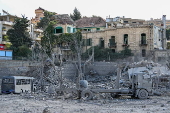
{"type": "Point", "coordinates": [99, 81]}
{"type": "Point", "coordinates": [50, 77]}
{"type": "Point", "coordinates": [160, 75]}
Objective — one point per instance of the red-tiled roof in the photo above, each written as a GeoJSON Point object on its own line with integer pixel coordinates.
{"type": "Point", "coordinates": [90, 22]}
{"type": "Point", "coordinates": [64, 19]}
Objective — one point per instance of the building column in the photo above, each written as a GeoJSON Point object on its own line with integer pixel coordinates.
{"type": "Point", "coordinates": [106, 25]}
{"type": "Point", "coordinates": [8, 18]}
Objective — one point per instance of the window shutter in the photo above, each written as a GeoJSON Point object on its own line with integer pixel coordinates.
{"type": "Point", "coordinates": [111, 41]}
{"type": "Point", "coordinates": [90, 42]}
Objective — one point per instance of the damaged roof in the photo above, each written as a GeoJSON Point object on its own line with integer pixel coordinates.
{"type": "Point", "coordinates": [64, 19]}
{"type": "Point", "coordinates": [90, 22]}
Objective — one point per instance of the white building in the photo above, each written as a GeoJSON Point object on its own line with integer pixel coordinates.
{"type": "Point", "coordinates": [6, 22]}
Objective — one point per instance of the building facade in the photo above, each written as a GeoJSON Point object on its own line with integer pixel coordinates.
{"type": "Point", "coordinates": [39, 14]}
{"type": "Point", "coordinates": [141, 39]}
{"type": "Point", "coordinates": [6, 22]}
{"type": "Point", "coordinates": [35, 33]}
{"type": "Point", "coordinates": [64, 24]}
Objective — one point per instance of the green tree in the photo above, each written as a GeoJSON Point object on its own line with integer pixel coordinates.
{"type": "Point", "coordinates": [168, 45]}
{"type": "Point", "coordinates": [106, 54]}
{"type": "Point", "coordinates": [75, 43]}
{"type": "Point", "coordinates": [45, 21]}
{"type": "Point", "coordinates": [76, 14]}
{"type": "Point", "coordinates": [24, 51]}
{"type": "Point", "coordinates": [126, 52]}
{"type": "Point", "coordinates": [48, 41]}
{"type": "Point", "coordinates": [18, 35]}
{"type": "Point", "coordinates": [74, 40]}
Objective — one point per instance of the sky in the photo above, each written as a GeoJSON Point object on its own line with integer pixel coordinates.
{"type": "Point", "coordinates": [135, 9]}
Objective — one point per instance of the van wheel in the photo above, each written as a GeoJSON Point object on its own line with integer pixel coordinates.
{"type": "Point", "coordinates": [143, 94]}
{"type": "Point", "coordinates": [86, 95]}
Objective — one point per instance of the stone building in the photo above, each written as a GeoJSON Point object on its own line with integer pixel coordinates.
{"type": "Point", "coordinates": [64, 22]}
{"type": "Point", "coordinates": [158, 22]}
{"type": "Point", "coordinates": [142, 37]}
{"type": "Point", "coordinates": [122, 21]}
{"type": "Point", "coordinates": [35, 33]}
{"type": "Point", "coordinates": [120, 33]}
{"type": "Point", "coordinates": [6, 22]}
{"type": "Point", "coordinates": [39, 14]}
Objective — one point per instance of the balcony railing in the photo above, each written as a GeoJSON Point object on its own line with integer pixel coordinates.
{"type": "Point", "coordinates": [125, 45]}
{"type": "Point", "coordinates": [4, 32]}
{"type": "Point", "coordinates": [112, 44]}
{"type": "Point", "coordinates": [143, 43]}
{"type": "Point", "coordinates": [7, 23]}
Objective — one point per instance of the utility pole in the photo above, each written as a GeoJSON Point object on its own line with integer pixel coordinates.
{"type": "Point", "coordinates": [61, 76]}
{"type": "Point", "coordinates": [93, 51]}
{"type": "Point", "coordinates": [93, 45]}
{"type": "Point", "coordinates": [118, 76]}
{"type": "Point", "coordinates": [41, 73]}
{"type": "Point", "coordinates": [164, 45]}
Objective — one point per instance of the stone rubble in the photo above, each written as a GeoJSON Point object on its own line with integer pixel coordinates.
{"type": "Point", "coordinates": [51, 78]}
{"type": "Point", "coordinates": [95, 81]}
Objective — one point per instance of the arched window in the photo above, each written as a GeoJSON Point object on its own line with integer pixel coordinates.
{"type": "Point", "coordinates": [125, 39]}
{"type": "Point", "coordinates": [143, 38]}
{"type": "Point", "coordinates": [74, 30]}
{"type": "Point", "coordinates": [58, 30]}
{"type": "Point", "coordinates": [112, 42]}
{"type": "Point", "coordinates": [101, 42]}
{"type": "Point", "coordinates": [68, 29]}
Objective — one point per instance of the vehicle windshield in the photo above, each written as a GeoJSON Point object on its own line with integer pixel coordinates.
{"type": "Point", "coordinates": [7, 87]}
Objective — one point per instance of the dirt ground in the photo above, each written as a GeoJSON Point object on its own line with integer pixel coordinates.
{"type": "Point", "coordinates": [15, 103]}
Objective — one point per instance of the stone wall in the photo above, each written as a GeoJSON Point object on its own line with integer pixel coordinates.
{"type": "Point", "coordinates": [15, 63]}
{"type": "Point", "coordinates": [102, 68]}
{"type": "Point", "coordinates": [12, 67]}
{"type": "Point", "coordinates": [69, 70]}
{"type": "Point", "coordinates": [162, 56]}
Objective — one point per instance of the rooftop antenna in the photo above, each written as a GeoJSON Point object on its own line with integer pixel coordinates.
{"type": "Point", "coordinates": [5, 12]}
